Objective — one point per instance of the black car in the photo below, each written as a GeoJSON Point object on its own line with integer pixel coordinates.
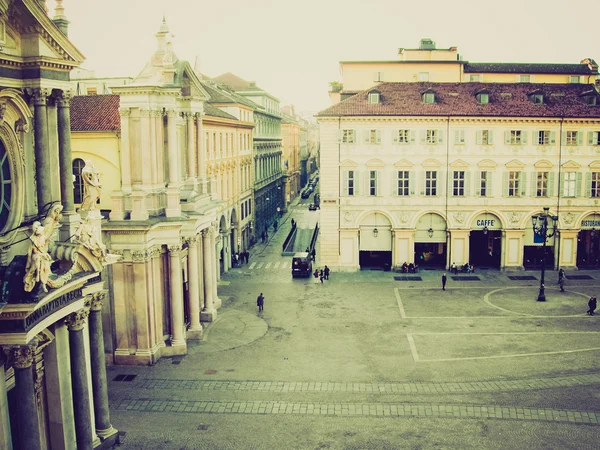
{"type": "Point", "coordinates": [306, 193]}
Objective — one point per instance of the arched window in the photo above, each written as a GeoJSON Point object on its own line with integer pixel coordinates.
{"type": "Point", "coordinates": [78, 165]}
{"type": "Point", "coordinates": [5, 185]}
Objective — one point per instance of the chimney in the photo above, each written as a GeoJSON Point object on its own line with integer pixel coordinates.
{"type": "Point", "coordinates": [60, 20]}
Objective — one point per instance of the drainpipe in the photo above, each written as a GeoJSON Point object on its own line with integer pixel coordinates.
{"type": "Point", "coordinates": [557, 262]}
{"type": "Point", "coordinates": [448, 246]}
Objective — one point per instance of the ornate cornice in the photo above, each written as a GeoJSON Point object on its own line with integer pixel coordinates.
{"type": "Point", "coordinates": [154, 251]}
{"type": "Point", "coordinates": [191, 240]}
{"type": "Point", "coordinates": [139, 256]}
{"type": "Point", "coordinates": [76, 321]}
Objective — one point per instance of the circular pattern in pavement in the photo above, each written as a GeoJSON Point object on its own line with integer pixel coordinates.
{"type": "Point", "coordinates": [557, 304]}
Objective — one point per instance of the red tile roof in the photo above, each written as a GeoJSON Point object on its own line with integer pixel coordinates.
{"type": "Point", "coordinates": [95, 113]}
{"type": "Point", "coordinates": [459, 99]}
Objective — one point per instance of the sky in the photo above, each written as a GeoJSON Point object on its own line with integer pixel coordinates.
{"type": "Point", "coordinates": [292, 49]}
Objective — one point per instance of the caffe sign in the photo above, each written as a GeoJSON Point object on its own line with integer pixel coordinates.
{"type": "Point", "coordinates": [591, 222]}
{"type": "Point", "coordinates": [488, 221]}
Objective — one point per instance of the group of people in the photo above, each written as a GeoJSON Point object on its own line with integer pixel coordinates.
{"type": "Point", "coordinates": [240, 258]}
{"type": "Point", "coordinates": [466, 268]}
{"type": "Point", "coordinates": [410, 268]}
{"type": "Point", "coordinates": [322, 274]}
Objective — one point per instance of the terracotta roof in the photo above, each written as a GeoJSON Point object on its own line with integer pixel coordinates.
{"type": "Point", "coordinates": [459, 99]}
{"type": "Point", "coordinates": [95, 113]}
{"type": "Point", "coordinates": [222, 94]}
{"type": "Point", "coordinates": [216, 112]}
{"type": "Point", "coordinates": [529, 68]}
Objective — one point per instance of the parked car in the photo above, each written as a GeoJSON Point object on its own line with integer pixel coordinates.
{"type": "Point", "coordinates": [301, 265]}
{"type": "Point", "coordinates": [306, 193]}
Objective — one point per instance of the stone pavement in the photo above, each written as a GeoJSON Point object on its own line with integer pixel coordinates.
{"type": "Point", "coordinates": [367, 361]}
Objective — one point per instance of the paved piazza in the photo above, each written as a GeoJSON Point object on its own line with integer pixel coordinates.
{"type": "Point", "coordinates": [364, 361]}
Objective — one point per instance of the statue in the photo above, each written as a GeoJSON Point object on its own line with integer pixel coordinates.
{"type": "Point", "coordinates": [86, 235]}
{"type": "Point", "coordinates": [52, 221]}
{"type": "Point", "coordinates": [38, 259]}
{"type": "Point", "coordinates": [91, 186]}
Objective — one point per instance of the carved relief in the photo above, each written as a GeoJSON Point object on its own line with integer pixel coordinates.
{"type": "Point", "coordinates": [124, 112]}
{"type": "Point", "coordinates": [568, 218]}
{"type": "Point", "coordinates": [63, 99]}
{"type": "Point", "coordinates": [2, 110]}
{"type": "Point", "coordinates": [139, 256]}
{"type": "Point", "coordinates": [39, 96]}
{"type": "Point", "coordinates": [459, 217]}
{"type": "Point", "coordinates": [92, 188]}
{"type": "Point", "coordinates": [174, 250]}
{"type": "Point", "coordinates": [514, 218]}
{"type": "Point", "coordinates": [76, 321]}
{"type": "Point", "coordinates": [348, 217]}
{"type": "Point", "coordinates": [154, 251]}
{"type": "Point", "coordinates": [404, 217]}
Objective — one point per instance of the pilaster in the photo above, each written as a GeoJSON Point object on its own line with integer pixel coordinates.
{"type": "Point", "coordinates": [459, 246]}
{"type": "Point", "coordinates": [567, 249]}
{"type": "Point", "coordinates": [5, 434]}
{"type": "Point", "coordinates": [208, 314]}
{"type": "Point", "coordinates": [178, 344]}
{"type": "Point", "coordinates": [512, 252]}
{"type": "Point", "coordinates": [195, 330]}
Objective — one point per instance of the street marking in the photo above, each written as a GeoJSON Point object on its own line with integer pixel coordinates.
{"type": "Point", "coordinates": [426, 333]}
{"type": "Point", "coordinates": [252, 266]}
{"type": "Point", "coordinates": [511, 356]}
{"type": "Point", "coordinates": [276, 265]}
{"type": "Point", "coordinates": [413, 347]}
{"type": "Point", "coordinates": [268, 265]}
{"type": "Point", "coordinates": [259, 265]}
{"type": "Point", "coordinates": [283, 265]}
{"type": "Point", "coordinates": [399, 300]}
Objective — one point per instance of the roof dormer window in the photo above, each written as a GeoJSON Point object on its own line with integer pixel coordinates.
{"type": "Point", "coordinates": [590, 98]}
{"type": "Point", "coordinates": [537, 98]}
{"type": "Point", "coordinates": [374, 97]}
{"type": "Point", "coordinates": [483, 98]}
{"type": "Point", "coordinates": [429, 98]}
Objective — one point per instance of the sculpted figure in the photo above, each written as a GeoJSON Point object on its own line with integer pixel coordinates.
{"type": "Point", "coordinates": [38, 259]}
{"type": "Point", "coordinates": [91, 186]}
{"type": "Point", "coordinates": [52, 221]}
{"type": "Point", "coordinates": [86, 235]}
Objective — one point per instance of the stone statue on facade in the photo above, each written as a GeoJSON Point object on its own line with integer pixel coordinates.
{"type": "Point", "coordinates": [92, 188]}
{"type": "Point", "coordinates": [38, 259]}
{"type": "Point", "coordinates": [87, 236]}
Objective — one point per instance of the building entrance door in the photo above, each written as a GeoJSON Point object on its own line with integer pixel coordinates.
{"type": "Point", "coordinates": [588, 249]}
{"type": "Point", "coordinates": [430, 255]}
{"type": "Point", "coordinates": [485, 248]}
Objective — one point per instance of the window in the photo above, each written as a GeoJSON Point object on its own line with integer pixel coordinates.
{"type": "Point", "coordinates": [431, 136]}
{"type": "Point", "coordinates": [484, 137]}
{"type": "Point", "coordinates": [373, 180]}
{"type": "Point", "coordinates": [373, 97]}
{"type": "Point", "coordinates": [92, 91]}
{"type": "Point", "coordinates": [475, 78]}
{"type": "Point", "coordinates": [403, 182]}
{"type": "Point", "coordinates": [543, 137]}
{"type": "Point", "coordinates": [348, 136]}
{"type": "Point", "coordinates": [574, 79]}
{"type": "Point", "coordinates": [514, 184]}
{"type": "Point", "coordinates": [6, 185]}
{"type": "Point", "coordinates": [483, 98]}
{"type": "Point", "coordinates": [572, 138]}
{"type": "Point", "coordinates": [459, 137]}
{"type": "Point", "coordinates": [541, 185]}
{"type": "Point", "coordinates": [350, 183]}
{"type": "Point", "coordinates": [515, 137]}
{"type": "Point", "coordinates": [483, 183]}
{"type": "Point", "coordinates": [372, 136]}
{"type": "Point", "coordinates": [593, 137]}
{"type": "Point", "coordinates": [525, 78]}
{"type": "Point", "coordinates": [569, 184]}
{"type": "Point", "coordinates": [78, 165]}
{"type": "Point", "coordinates": [537, 99]}
{"type": "Point", "coordinates": [430, 182]}
{"type": "Point", "coordinates": [423, 76]}
{"type": "Point", "coordinates": [595, 184]}
{"type": "Point", "coordinates": [458, 183]}
{"type": "Point", "coordinates": [429, 98]}
{"type": "Point", "coordinates": [403, 137]}
{"type": "Point", "coordinates": [591, 100]}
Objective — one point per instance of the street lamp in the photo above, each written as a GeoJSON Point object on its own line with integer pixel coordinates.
{"type": "Point", "coordinates": [540, 228]}
{"type": "Point", "coordinates": [430, 232]}
{"type": "Point", "coordinates": [375, 232]}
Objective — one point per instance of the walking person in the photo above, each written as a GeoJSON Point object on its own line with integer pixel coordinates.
{"type": "Point", "coordinates": [313, 254]}
{"type": "Point", "coordinates": [321, 275]}
{"type": "Point", "coordinates": [561, 283]}
{"type": "Point", "coordinates": [293, 223]}
{"type": "Point", "coordinates": [592, 305]}
{"type": "Point", "coordinates": [326, 272]}
{"type": "Point", "coordinates": [260, 301]}
{"type": "Point", "coordinates": [561, 275]}
{"type": "Point", "coordinates": [444, 278]}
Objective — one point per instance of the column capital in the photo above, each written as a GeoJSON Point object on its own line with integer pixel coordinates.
{"type": "Point", "coordinates": [139, 256]}
{"type": "Point", "coordinates": [98, 300]}
{"type": "Point", "coordinates": [171, 113]}
{"type": "Point", "coordinates": [76, 321]}
{"type": "Point", "coordinates": [191, 240]}
{"type": "Point", "coordinates": [39, 96]}
{"type": "Point", "coordinates": [124, 112]}
{"type": "Point", "coordinates": [174, 250]}
{"type": "Point", "coordinates": [22, 356]}
{"type": "Point", "coordinates": [63, 99]}
{"type": "Point", "coordinates": [154, 251]}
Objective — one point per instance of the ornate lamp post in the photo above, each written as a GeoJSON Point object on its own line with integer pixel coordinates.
{"type": "Point", "coordinates": [540, 228]}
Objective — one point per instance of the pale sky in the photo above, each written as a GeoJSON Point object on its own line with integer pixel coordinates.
{"type": "Point", "coordinates": [292, 48]}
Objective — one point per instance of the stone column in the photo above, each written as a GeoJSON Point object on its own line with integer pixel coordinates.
{"type": "Point", "coordinates": [227, 252]}
{"type": "Point", "coordinates": [43, 170]}
{"type": "Point", "coordinates": [191, 152]}
{"type": "Point", "coordinates": [176, 286]}
{"type": "Point", "coordinates": [209, 313]}
{"type": "Point", "coordinates": [5, 436]}
{"type": "Point", "coordinates": [27, 416]}
{"type": "Point", "coordinates": [64, 152]}
{"type": "Point", "coordinates": [195, 331]}
{"type": "Point", "coordinates": [200, 273]}
{"type": "Point", "coordinates": [213, 247]}
{"type": "Point", "coordinates": [81, 389]}
{"type": "Point", "coordinates": [200, 145]}
{"type": "Point", "coordinates": [100, 392]}
{"type": "Point", "coordinates": [173, 208]}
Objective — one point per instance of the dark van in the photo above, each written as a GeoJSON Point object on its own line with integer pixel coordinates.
{"type": "Point", "coordinates": [301, 265]}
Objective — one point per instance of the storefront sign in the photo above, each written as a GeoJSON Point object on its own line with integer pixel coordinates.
{"type": "Point", "coordinates": [488, 221]}
{"type": "Point", "coordinates": [590, 222]}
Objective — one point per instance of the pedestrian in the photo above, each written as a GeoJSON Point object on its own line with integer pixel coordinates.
{"type": "Point", "coordinates": [444, 278]}
{"type": "Point", "coordinates": [313, 254]}
{"type": "Point", "coordinates": [592, 305]}
{"type": "Point", "coordinates": [293, 223]}
{"type": "Point", "coordinates": [307, 250]}
{"type": "Point", "coordinates": [453, 268]}
{"type": "Point", "coordinates": [275, 227]}
{"type": "Point", "coordinates": [247, 257]}
{"type": "Point", "coordinates": [260, 301]}
{"type": "Point", "coordinates": [561, 283]}
{"type": "Point", "coordinates": [561, 275]}
{"type": "Point", "coordinates": [321, 275]}
{"type": "Point", "coordinates": [326, 272]}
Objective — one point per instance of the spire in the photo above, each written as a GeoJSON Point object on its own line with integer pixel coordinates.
{"type": "Point", "coordinates": [60, 20]}
{"type": "Point", "coordinates": [161, 36]}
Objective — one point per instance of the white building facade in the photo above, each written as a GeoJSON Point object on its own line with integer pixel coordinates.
{"type": "Point", "coordinates": [436, 173]}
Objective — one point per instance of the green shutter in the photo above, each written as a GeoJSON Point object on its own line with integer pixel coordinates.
{"type": "Point", "coordinates": [563, 138]}
{"type": "Point", "coordinates": [551, 184]}
{"type": "Point", "coordinates": [440, 186]}
{"type": "Point", "coordinates": [490, 137]}
{"type": "Point", "coordinates": [552, 137]}
{"type": "Point", "coordinates": [505, 184]}
{"type": "Point", "coordinates": [590, 137]}
{"type": "Point", "coordinates": [440, 137]}
{"type": "Point", "coordinates": [578, 184]}
{"type": "Point", "coordinates": [422, 136]}
{"type": "Point", "coordinates": [479, 137]}
{"type": "Point", "coordinates": [412, 178]}
{"type": "Point", "coordinates": [467, 183]}
{"type": "Point", "coordinates": [523, 183]}
{"type": "Point", "coordinates": [378, 136]}
{"type": "Point", "coordinates": [533, 184]}
{"type": "Point", "coordinates": [507, 137]}
{"type": "Point", "coordinates": [395, 136]}
{"type": "Point", "coordinates": [356, 183]}
{"type": "Point", "coordinates": [490, 186]}
{"type": "Point", "coordinates": [412, 133]}
{"type": "Point", "coordinates": [378, 183]}
{"type": "Point", "coordinates": [580, 138]}
{"type": "Point", "coordinates": [588, 184]}
{"type": "Point", "coordinates": [345, 184]}
{"type": "Point", "coordinates": [523, 137]}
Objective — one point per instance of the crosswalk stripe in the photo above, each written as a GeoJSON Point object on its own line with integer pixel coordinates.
{"type": "Point", "coordinates": [283, 265]}
{"type": "Point", "coordinates": [259, 265]}
{"type": "Point", "coordinates": [252, 265]}
{"type": "Point", "coordinates": [268, 265]}
{"type": "Point", "coordinates": [276, 265]}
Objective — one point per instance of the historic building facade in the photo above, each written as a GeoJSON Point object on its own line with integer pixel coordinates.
{"type": "Point", "coordinates": [269, 179]}
{"type": "Point", "coordinates": [53, 392]}
{"type": "Point", "coordinates": [435, 173]}
{"type": "Point", "coordinates": [291, 133]}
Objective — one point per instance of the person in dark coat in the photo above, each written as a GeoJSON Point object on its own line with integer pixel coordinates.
{"type": "Point", "coordinates": [326, 272]}
{"type": "Point", "coordinates": [313, 254]}
{"type": "Point", "coordinates": [444, 278]}
{"type": "Point", "coordinates": [592, 305]}
{"type": "Point", "coordinates": [561, 284]}
{"type": "Point", "coordinates": [260, 301]}
{"type": "Point", "coordinates": [293, 223]}
{"type": "Point", "coordinates": [561, 275]}
{"type": "Point", "coordinates": [321, 275]}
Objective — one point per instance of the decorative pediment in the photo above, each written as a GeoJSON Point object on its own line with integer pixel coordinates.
{"type": "Point", "coordinates": [515, 164]}
{"type": "Point", "coordinates": [595, 164]}
{"type": "Point", "coordinates": [348, 163]}
{"type": "Point", "coordinates": [404, 164]}
{"type": "Point", "coordinates": [543, 164]}
{"type": "Point", "coordinates": [375, 163]}
{"type": "Point", "coordinates": [459, 163]}
{"type": "Point", "coordinates": [571, 165]}
{"type": "Point", "coordinates": [431, 163]}
{"type": "Point", "coordinates": [487, 164]}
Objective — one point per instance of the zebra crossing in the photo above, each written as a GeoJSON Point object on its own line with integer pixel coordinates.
{"type": "Point", "coordinates": [273, 265]}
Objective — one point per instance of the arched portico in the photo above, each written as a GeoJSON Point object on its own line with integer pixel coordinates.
{"type": "Point", "coordinates": [222, 247]}
{"type": "Point", "coordinates": [375, 240]}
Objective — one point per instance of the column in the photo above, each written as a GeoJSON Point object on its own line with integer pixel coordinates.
{"type": "Point", "coordinates": [81, 389]}
{"type": "Point", "coordinates": [64, 152]}
{"type": "Point", "coordinates": [42, 151]}
{"type": "Point", "coordinates": [5, 436]}
{"type": "Point", "coordinates": [200, 273]}
{"type": "Point", "coordinates": [209, 313]}
{"type": "Point", "coordinates": [176, 287]}
{"type": "Point", "coordinates": [100, 391]}
{"type": "Point", "coordinates": [172, 148]}
{"type": "Point", "coordinates": [195, 330]}
{"type": "Point", "coordinates": [27, 416]}
{"type": "Point", "coordinates": [200, 140]}
{"type": "Point", "coordinates": [191, 152]}
{"type": "Point", "coordinates": [213, 249]}
{"type": "Point", "coordinates": [227, 252]}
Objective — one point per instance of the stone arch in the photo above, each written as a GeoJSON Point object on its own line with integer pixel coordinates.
{"type": "Point", "coordinates": [375, 216]}
{"type": "Point", "coordinates": [475, 215]}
